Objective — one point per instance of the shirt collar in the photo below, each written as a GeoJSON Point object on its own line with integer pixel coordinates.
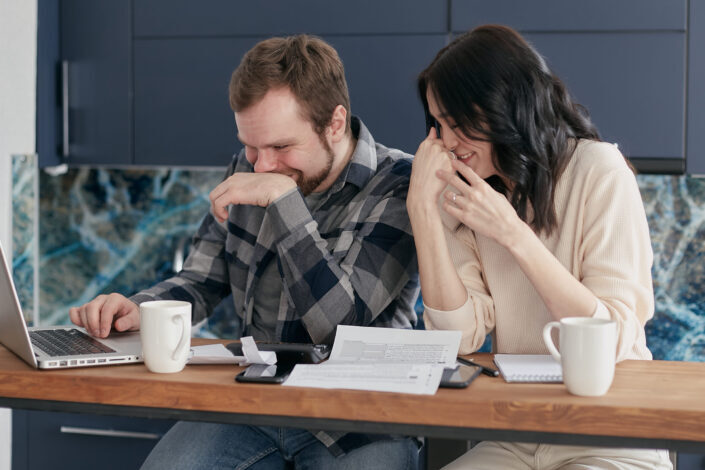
{"type": "Point", "coordinates": [363, 163]}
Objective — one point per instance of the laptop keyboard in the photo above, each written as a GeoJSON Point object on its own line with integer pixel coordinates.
{"type": "Point", "coordinates": [71, 342]}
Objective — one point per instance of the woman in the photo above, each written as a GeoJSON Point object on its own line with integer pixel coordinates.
{"type": "Point", "coordinates": [522, 216]}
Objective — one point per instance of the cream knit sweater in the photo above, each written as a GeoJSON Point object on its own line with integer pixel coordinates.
{"type": "Point", "coordinates": [602, 239]}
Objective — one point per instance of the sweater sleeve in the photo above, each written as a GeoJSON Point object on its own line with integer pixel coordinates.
{"type": "Point", "coordinates": [617, 257]}
{"type": "Point", "coordinates": [475, 319]}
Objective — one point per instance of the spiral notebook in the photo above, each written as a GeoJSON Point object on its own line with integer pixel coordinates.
{"type": "Point", "coordinates": [529, 367]}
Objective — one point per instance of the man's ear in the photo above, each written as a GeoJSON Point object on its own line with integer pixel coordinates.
{"type": "Point", "coordinates": [338, 124]}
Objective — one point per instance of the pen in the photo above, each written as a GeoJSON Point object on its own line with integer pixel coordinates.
{"type": "Point", "coordinates": [485, 370]}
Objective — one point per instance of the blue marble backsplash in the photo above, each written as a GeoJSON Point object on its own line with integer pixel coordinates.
{"type": "Point", "coordinates": [24, 237]}
{"type": "Point", "coordinates": [675, 208]}
{"type": "Point", "coordinates": [103, 230]}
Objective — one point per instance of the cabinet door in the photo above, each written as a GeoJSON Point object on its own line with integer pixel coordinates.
{"type": "Point", "coordinates": [696, 89]}
{"type": "Point", "coordinates": [174, 18]}
{"type": "Point", "coordinates": [182, 115]}
{"type": "Point", "coordinates": [571, 15]}
{"type": "Point", "coordinates": [633, 85]}
{"type": "Point", "coordinates": [76, 441]}
{"type": "Point", "coordinates": [381, 72]}
{"type": "Point", "coordinates": [95, 43]}
{"type": "Point", "coordinates": [48, 106]}
{"type": "Point", "coordinates": [628, 69]}
{"type": "Point", "coordinates": [182, 111]}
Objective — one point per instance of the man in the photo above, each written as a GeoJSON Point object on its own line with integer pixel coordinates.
{"type": "Point", "coordinates": [309, 230]}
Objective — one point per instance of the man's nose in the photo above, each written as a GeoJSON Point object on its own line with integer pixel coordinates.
{"type": "Point", "coordinates": [266, 161]}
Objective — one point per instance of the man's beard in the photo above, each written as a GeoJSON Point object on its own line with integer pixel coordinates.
{"type": "Point", "coordinates": [307, 185]}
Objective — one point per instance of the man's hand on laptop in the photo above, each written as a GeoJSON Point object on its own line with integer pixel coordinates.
{"type": "Point", "coordinates": [104, 312]}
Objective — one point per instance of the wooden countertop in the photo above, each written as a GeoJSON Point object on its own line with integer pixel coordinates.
{"type": "Point", "coordinates": [660, 401]}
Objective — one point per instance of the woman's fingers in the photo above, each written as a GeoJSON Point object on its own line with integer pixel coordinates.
{"type": "Point", "coordinates": [468, 173]}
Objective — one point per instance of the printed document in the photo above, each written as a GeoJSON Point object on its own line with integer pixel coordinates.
{"type": "Point", "coordinates": [369, 344]}
{"type": "Point", "coordinates": [382, 359]}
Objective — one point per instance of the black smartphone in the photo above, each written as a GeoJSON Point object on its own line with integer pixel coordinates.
{"type": "Point", "coordinates": [263, 373]}
{"type": "Point", "coordinates": [297, 353]}
{"type": "Point", "coordinates": [460, 377]}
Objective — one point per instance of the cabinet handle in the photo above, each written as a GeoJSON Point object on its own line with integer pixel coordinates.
{"type": "Point", "coordinates": [65, 108]}
{"type": "Point", "coordinates": [109, 433]}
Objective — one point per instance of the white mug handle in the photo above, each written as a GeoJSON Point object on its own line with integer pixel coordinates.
{"type": "Point", "coordinates": [184, 337]}
{"type": "Point", "coordinates": [549, 341]}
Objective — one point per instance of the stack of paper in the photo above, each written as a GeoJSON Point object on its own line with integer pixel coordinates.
{"type": "Point", "coordinates": [382, 359]}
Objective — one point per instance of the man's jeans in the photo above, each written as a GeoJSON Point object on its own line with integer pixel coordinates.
{"type": "Point", "coordinates": [190, 445]}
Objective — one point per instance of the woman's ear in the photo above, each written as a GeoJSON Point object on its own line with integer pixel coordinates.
{"type": "Point", "coordinates": [338, 124]}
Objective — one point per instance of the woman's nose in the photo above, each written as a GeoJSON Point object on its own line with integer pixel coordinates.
{"type": "Point", "coordinates": [449, 140]}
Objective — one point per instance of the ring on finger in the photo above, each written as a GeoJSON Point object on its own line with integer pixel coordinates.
{"type": "Point", "coordinates": [454, 197]}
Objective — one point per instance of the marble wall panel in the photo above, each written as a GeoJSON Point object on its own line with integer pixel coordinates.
{"type": "Point", "coordinates": [24, 239]}
{"type": "Point", "coordinates": [108, 231]}
{"type": "Point", "coordinates": [675, 208]}
{"type": "Point", "coordinates": [117, 231]}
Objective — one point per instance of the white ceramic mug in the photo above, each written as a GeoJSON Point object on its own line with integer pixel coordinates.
{"type": "Point", "coordinates": [165, 330]}
{"type": "Point", "coordinates": [588, 351]}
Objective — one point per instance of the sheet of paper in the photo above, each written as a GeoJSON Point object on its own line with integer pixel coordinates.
{"type": "Point", "coordinates": [213, 354]}
{"type": "Point", "coordinates": [254, 355]}
{"type": "Point", "coordinates": [219, 354]}
{"type": "Point", "coordinates": [382, 359]}
{"type": "Point", "coordinates": [420, 379]}
{"type": "Point", "coordinates": [376, 345]}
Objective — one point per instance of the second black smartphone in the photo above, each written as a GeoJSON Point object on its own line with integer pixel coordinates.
{"type": "Point", "coordinates": [460, 377]}
{"type": "Point", "coordinates": [263, 373]}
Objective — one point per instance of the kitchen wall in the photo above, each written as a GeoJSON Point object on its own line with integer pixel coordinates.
{"type": "Point", "coordinates": [120, 231]}
{"type": "Point", "coordinates": [675, 208]}
{"type": "Point", "coordinates": [25, 222]}
{"type": "Point", "coordinates": [18, 26]}
{"type": "Point", "coordinates": [107, 230]}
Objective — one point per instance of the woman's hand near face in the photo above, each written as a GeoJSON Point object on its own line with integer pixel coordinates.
{"type": "Point", "coordinates": [478, 206]}
{"type": "Point", "coordinates": [489, 213]}
{"type": "Point", "coordinates": [425, 188]}
{"type": "Point", "coordinates": [441, 286]}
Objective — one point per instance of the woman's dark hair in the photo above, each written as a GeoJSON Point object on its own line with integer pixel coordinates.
{"type": "Point", "coordinates": [494, 86]}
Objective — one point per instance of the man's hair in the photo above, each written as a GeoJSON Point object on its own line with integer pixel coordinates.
{"type": "Point", "coordinates": [306, 65]}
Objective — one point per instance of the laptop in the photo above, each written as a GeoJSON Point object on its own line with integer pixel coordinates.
{"type": "Point", "coordinates": [58, 347]}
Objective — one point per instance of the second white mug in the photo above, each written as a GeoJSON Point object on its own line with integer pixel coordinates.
{"type": "Point", "coordinates": [588, 348]}
{"type": "Point", "coordinates": [165, 330]}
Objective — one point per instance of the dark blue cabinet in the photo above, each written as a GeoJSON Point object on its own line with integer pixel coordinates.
{"type": "Point", "coordinates": [625, 61]}
{"type": "Point", "coordinates": [185, 18]}
{"type": "Point", "coordinates": [571, 15]}
{"type": "Point", "coordinates": [182, 113]}
{"type": "Point", "coordinates": [148, 79]}
{"type": "Point", "coordinates": [183, 58]}
{"type": "Point", "coordinates": [83, 82]}
{"type": "Point", "coordinates": [43, 439]}
{"type": "Point", "coordinates": [634, 102]}
{"type": "Point", "coordinates": [381, 73]}
{"type": "Point", "coordinates": [182, 116]}
{"type": "Point", "coordinates": [695, 142]}
{"type": "Point", "coordinates": [95, 45]}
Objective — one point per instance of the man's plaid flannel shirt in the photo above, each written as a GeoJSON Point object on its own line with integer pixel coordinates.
{"type": "Point", "coordinates": [350, 261]}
